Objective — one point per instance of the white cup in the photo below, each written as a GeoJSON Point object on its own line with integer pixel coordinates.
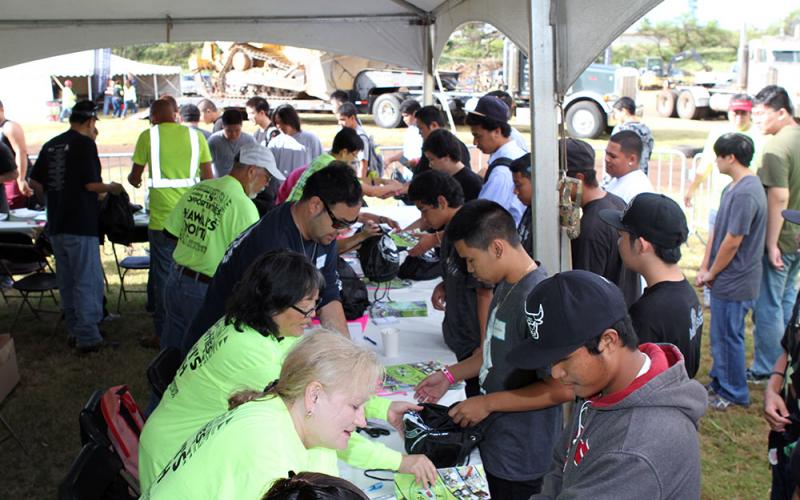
{"type": "Point", "coordinates": [391, 342]}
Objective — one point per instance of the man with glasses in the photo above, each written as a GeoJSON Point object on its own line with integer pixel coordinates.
{"type": "Point", "coordinates": [330, 203]}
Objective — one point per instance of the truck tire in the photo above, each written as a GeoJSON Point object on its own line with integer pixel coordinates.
{"type": "Point", "coordinates": [585, 120]}
{"type": "Point", "coordinates": [666, 103]}
{"type": "Point", "coordinates": [386, 111]}
{"type": "Point", "coordinates": [688, 109]}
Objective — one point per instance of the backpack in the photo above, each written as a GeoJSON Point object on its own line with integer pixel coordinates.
{"type": "Point", "coordinates": [116, 218]}
{"type": "Point", "coordinates": [375, 161]}
{"type": "Point", "coordinates": [379, 258]}
{"type": "Point", "coordinates": [425, 267]}
{"type": "Point", "coordinates": [353, 291]}
{"type": "Point", "coordinates": [125, 424]}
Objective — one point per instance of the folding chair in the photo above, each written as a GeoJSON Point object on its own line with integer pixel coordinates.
{"type": "Point", "coordinates": [163, 368]}
{"type": "Point", "coordinates": [20, 255]}
{"type": "Point", "coordinates": [129, 263]}
{"type": "Point", "coordinates": [96, 474]}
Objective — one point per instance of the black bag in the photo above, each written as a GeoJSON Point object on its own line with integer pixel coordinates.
{"type": "Point", "coordinates": [433, 433]}
{"type": "Point", "coordinates": [379, 258]}
{"type": "Point", "coordinates": [422, 268]}
{"type": "Point", "coordinates": [116, 218]}
{"type": "Point", "coordinates": [352, 290]}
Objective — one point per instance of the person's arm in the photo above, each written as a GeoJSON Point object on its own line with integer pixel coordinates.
{"type": "Point", "coordinates": [436, 384]}
{"type": "Point", "coordinates": [135, 176]}
{"type": "Point", "coordinates": [16, 136]}
{"type": "Point", "coordinates": [777, 201]}
{"type": "Point", "coordinates": [706, 259]}
{"type": "Point", "coordinates": [331, 315]}
{"type": "Point", "coordinates": [727, 251]}
{"type": "Point", "coordinates": [206, 171]}
{"type": "Point", "coordinates": [378, 219]}
{"type": "Point", "coordinates": [101, 187]}
{"type": "Point", "coordinates": [369, 230]}
{"type": "Point", "coordinates": [775, 411]}
{"type": "Point", "coordinates": [484, 296]}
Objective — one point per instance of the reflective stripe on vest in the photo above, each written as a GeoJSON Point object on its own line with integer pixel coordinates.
{"type": "Point", "coordinates": [156, 181]}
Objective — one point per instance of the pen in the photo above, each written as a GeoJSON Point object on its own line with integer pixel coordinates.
{"type": "Point", "coordinates": [370, 340]}
{"type": "Point", "coordinates": [374, 487]}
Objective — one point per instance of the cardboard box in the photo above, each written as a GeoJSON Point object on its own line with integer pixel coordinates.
{"type": "Point", "coordinates": [9, 372]}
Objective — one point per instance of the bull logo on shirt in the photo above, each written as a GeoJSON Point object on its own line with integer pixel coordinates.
{"type": "Point", "coordinates": [534, 320]}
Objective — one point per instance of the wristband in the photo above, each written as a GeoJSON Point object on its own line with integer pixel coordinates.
{"type": "Point", "coordinates": [782, 375]}
{"type": "Point", "coordinates": [449, 376]}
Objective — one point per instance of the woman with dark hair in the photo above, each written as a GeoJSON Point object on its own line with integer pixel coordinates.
{"type": "Point", "coordinates": [314, 486]}
{"type": "Point", "coordinates": [288, 121]}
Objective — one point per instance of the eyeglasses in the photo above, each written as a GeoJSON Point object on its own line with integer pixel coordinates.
{"type": "Point", "coordinates": [307, 314]}
{"type": "Point", "coordinates": [336, 222]}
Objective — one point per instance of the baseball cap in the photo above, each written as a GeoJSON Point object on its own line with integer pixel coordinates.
{"type": "Point", "coordinates": [555, 326]}
{"type": "Point", "coordinates": [652, 216]}
{"type": "Point", "coordinates": [792, 216]}
{"type": "Point", "coordinates": [741, 104]}
{"type": "Point", "coordinates": [491, 107]}
{"type": "Point", "coordinates": [190, 113]}
{"type": "Point", "coordinates": [580, 155]}
{"type": "Point", "coordinates": [259, 156]}
{"type": "Point", "coordinates": [84, 110]}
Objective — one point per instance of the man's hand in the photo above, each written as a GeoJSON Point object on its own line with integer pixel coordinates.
{"type": "Point", "coordinates": [438, 297]}
{"type": "Point", "coordinates": [775, 259]}
{"type": "Point", "coordinates": [423, 469]}
{"type": "Point", "coordinates": [369, 230]}
{"type": "Point", "coordinates": [425, 243]}
{"type": "Point", "coordinates": [390, 222]}
{"type": "Point", "coordinates": [135, 179]}
{"type": "Point", "coordinates": [470, 411]}
{"type": "Point", "coordinates": [704, 278]}
{"type": "Point", "coordinates": [687, 199]}
{"type": "Point", "coordinates": [24, 188]}
{"type": "Point", "coordinates": [432, 388]}
{"type": "Point", "coordinates": [396, 411]}
{"type": "Point", "coordinates": [775, 411]}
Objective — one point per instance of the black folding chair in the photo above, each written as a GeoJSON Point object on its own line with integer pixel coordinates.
{"type": "Point", "coordinates": [20, 255]}
{"type": "Point", "coordinates": [163, 368]}
{"type": "Point", "coordinates": [95, 475]}
{"type": "Point", "coordinates": [129, 263]}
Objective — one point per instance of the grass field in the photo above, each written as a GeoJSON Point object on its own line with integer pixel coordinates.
{"type": "Point", "coordinates": [55, 384]}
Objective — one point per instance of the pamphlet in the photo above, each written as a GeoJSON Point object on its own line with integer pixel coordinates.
{"type": "Point", "coordinates": [467, 482]}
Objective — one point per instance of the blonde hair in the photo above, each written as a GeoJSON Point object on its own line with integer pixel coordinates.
{"type": "Point", "coordinates": [326, 357]}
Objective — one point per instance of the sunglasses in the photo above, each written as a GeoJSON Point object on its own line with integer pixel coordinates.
{"type": "Point", "coordinates": [336, 222]}
{"type": "Point", "coordinates": [307, 314]}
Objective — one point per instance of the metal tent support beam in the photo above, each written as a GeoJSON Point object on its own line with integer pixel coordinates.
{"type": "Point", "coordinates": [155, 86]}
{"type": "Point", "coordinates": [544, 136]}
{"type": "Point", "coordinates": [427, 71]}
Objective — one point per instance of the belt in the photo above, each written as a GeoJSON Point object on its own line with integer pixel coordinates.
{"type": "Point", "coordinates": [202, 278]}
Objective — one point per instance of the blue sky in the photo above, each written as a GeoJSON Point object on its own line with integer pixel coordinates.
{"type": "Point", "coordinates": [730, 13]}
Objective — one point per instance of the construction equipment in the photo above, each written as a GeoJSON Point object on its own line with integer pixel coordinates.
{"type": "Point", "coordinates": [657, 75]}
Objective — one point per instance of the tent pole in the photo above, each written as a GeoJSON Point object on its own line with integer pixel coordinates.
{"type": "Point", "coordinates": [427, 71]}
{"type": "Point", "coordinates": [89, 81]}
{"type": "Point", "coordinates": [155, 85]}
{"type": "Point", "coordinates": [544, 137]}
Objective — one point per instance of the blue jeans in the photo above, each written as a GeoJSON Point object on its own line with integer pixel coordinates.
{"type": "Point", "coordinates": [130, 106]}
{"type": "Point", "coordinates": [183, 297]}
{"type": "Point", "coordinates": [773, 311]}
{"type": "Point", "coordinates": [116, 102]}
{"type": "Point", "coordinates": [65, 113]}
{"type": "Point", "coordinates": [80, 283]}
{"type": "Point", "coordinates": [728, 377]}
{"type": "Point", "coordinates": [161, 248]}
{"type": "Point", "coordinates": [107, 106]}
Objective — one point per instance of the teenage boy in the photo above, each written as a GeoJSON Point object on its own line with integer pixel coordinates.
{"type": "Point", "coordinates": [780, 174]}
{"type": "Point", "coordinates": [633, 433]}
{"type": "Point", "coordinates": [731, 268]}
{"type": "Point", "coordinates": [523, 188]}
{"type": "Point", "coordinates": [412, 140]}
{"type": "Point", "coordinates": [443, 152]}
{"type": "Point", "coordinates": [595, 249]}
{"type": "Point", "coordinates": [622, 166]}
{"type": "Point", "coordinates": [464, 299]}
{"type": "Point", "coordinates": [430, 118]}
{"type": "Point", "coordinates": [526, 403]}
{"type": "Point", "coordinates": [651, 231]}
{"type": "Point", "coordinates": [491, 133]}
{"type": "Point", "coordinates": [624, 112]}
{"type": "Point", "coordinates": [226, 144]}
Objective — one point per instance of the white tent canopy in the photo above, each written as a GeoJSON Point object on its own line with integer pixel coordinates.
{"type": "Point", "coordinates": [25, 88]}
{"type": "Point", "coordinates": [562, 37]}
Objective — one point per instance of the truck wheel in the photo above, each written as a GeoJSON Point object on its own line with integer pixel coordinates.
{"type": "Point", "coordinates": [585, 120]}
{"type": "Point", "coordinates": [688, 109]}
{"type": "Point", "coordinates": [665, 103]}
{"type": "Point", "coordinates": [386, 111]}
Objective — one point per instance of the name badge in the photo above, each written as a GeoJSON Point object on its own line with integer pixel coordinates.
{"type": "Point", "coordinates": [499, 329]}
{"type": "Point", "coordinates": [321, 261]}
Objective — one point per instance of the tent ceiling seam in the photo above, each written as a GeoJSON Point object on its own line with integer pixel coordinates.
{"type": "Point", "coordinates": [46, 23]}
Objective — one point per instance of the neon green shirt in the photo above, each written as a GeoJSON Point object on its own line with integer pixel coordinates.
{"type": "Point", "coordinates": [708, 166]}
{"type": "Point", "coordinates": [222, 362]}
{"type": "Point", "coordinates": [206, 219]}
{"type": "Point", "coordinates": [68, 98]}
{"type": "Point", "coordinates": [175, 154]}
{"type": "Point", "coordinates": [238, 456]}
{"type": "Point", "coordinates": [780, 167]}
{"type": "Point", "coordinates": [318, 164]}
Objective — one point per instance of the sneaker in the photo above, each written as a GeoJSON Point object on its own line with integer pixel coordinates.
{"type": "Point", "coordinates": [719, 403]}
{"type": "Point", "coordinates": [754, 378]}
{"type": "Point", "coordinates": [710, 390]}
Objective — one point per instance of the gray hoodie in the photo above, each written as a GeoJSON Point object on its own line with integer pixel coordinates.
{"type": "Point", "coordinates": [640, 442]}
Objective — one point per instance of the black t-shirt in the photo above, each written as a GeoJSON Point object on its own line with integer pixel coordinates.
{"type": "Point", "coordinates": [274, 231]}
{"type": "Point", "coordinates": [596, 248]}
{"type": "Point", "coordinates": [470, 182]}
{"type": "Point", "coordinates": [424, 165]}
{"type": "Point", "coordinates": [670, 312]}
{"type": "Point", "coordinates": [525, 231]}
{"type": "Point", "coordinates": [217, 125]}
{"type": "Point", "coordinates": [65, 165]}
{"type": "Point", "coordinates": [791, 344]}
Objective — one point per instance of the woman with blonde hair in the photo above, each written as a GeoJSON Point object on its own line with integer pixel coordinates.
{"type": "Point", "coordinates": [295, 425]}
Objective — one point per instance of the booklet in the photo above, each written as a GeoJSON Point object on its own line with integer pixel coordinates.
{"type": "Point", "coordinates": [406, 376]}
{"type": "Point", "coordinates": [467, 482]}
{"type": "Point", "coordinates": [400, 309]}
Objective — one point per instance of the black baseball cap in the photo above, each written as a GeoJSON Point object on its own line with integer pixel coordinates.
{"type": "Point", "coordinates": [580, 155]}
{"type": "Point", "coordinates": [563, 312]}
{"type": "Point", "coordinates": [491, 107]}
{"type": "Point", "coordinates": [792, 216]}
{"type": "Point", "coordinates": [84, 110]}
{"type": "Point", "coordinates": [654, 217]}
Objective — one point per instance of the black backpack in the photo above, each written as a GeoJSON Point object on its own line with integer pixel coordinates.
{"type": "Point", "coordinates": [375, 161]}
{"type": "Point", "coordinates": [352, 290]}
{"type": "Point", "coordinates": [425, 267]}
{"type": "Point", "coordinates": [379, 258]}
{"type": "Point", "coordinates": [116, 218]}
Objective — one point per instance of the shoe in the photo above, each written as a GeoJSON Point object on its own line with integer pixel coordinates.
{"type": "Point", "coordinates": [710, 390]}
{"type": "Point", "coordinates": [719, 403]}
{"type": "Point", "coordinates": [150, 342]}
{"type": "Point", "coordinates": [110, 317]}
{"type": "Point", "coordinates": [88, 349]}
{"type": "Point", "coordinates": [754, 378]}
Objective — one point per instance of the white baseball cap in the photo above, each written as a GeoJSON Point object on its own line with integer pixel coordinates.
{"type": "Point", "coordinates": [259, 156]}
